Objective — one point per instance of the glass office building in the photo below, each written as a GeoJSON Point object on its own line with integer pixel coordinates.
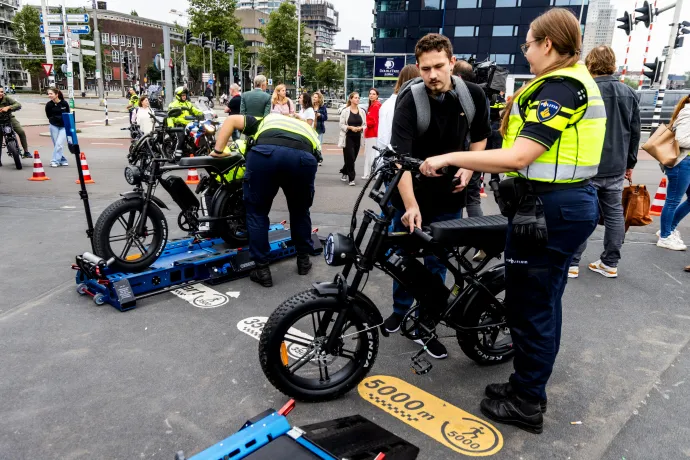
{"type": "Point", "coordinates": [492, 29]}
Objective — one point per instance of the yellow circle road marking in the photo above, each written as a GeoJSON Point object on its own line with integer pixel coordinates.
{"type": "Point", "coordinates": [451, 426]}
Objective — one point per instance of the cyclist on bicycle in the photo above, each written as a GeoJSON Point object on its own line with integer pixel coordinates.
{"type": "Point", "coordinates": [182, 102]}
{"type": "Point", "coordinates": [7, 106]}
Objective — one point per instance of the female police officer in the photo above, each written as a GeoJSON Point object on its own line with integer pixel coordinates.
{"type": "Point", "coordinates": [553, 136]}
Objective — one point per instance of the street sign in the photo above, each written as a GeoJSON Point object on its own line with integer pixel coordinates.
{"type": "Point", "coordinates": [78, 18]}
{"type": "Point", "coordinates": [87, 52]}
{"type": "Point", "coordinates": [75, 44]}
{"type": "Point", "coordinates": [52, 29]}
{"type": "Point", "coordinates": [63, 67]}
{"type": "Point", "coordinates": [87, 43]}
{"type": "Point", "coordinates": [48, 68]}
{"type": "Point", "coordinates": [270, 82]}
{"type": "Point", "coordinates": [80, 30]}
{"type": "Point", "coordinates": [75, 58]}
{"type": "Point", "coordinates": [98, 74]}
{"type": "Point", "coordinates": [51, 17]}
{"type": "Point", "coordinates": [68, 74]}
{"type": "Point", "coordinates": [664, 52]}
{"type": "Point", "coordinates": [54, 41]}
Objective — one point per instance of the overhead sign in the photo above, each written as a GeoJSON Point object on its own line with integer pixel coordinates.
{"type": "Point", "coordinates": [78, 18]}
{"type": "Point", "coordinates": [51, 17]}
{"type": "Point", "coordinates": [80, 30]}
{"type": "Point", "coordinates": [388, 67]}
{"type": "Point", "coordinates": [48, 68]}
{"type": "Point", "coordinates": [87, 52]}
{"type": "Point", "coordinates": [52, 29]}
{"type": "Point", "coordinates": [87, 43]}
{"type": "Point", "coordinates": [54, 41]}
{"type": "Point", "coordinates": [206, 77]}
{"type": "Point", "coordinates": [75, 44]}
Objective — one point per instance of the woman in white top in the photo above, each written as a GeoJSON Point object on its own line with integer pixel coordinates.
{"type": "Point", "coordinates": [407, 73]}
{"type": "Point", "coordinates": [306, 113]}
{"type": "Point", "coordinates": [144, 115]}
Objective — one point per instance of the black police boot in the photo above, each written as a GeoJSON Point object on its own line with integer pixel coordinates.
{"type": "Point", "coordinates": [262, 275]}
{"type": "Point", "coordinates": [503, 390]}
{"type": "Point", "coordinates": [515, 410]}
{"type": "Point", "coordinates": [303, 264]}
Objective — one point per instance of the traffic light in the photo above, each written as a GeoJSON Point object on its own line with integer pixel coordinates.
{"type": "Point", "coordinates": [202, 39]}
{"type": "Point", "coordinates": [655, 68]}
{"type": "Point", "coordinates": [187, 36]}
{"type": "Point", "coordinates": [229, 48]}
{"type": "Point", "coordinates": [235, 74]}
{"type": "Point", "coordinates": [646, 14]}
{"type": "Point", "coordinates": [682, 30]}
{"type": "Point", "coordinates": [125, 62]}
{"type": "Point", "coordinates": [627, 23]}
{"type": "Point", "coordinates": [220, 45]}
{"type": "Point", "coordinates": [214, 44]}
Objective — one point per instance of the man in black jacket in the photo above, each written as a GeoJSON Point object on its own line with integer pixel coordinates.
{"type": "Point", "coordinates": [433, 200]}
{"type": "Point", "coordinates": [618, 158]}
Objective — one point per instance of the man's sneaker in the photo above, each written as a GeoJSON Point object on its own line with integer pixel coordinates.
{"type": "Point", "coordinates": [303, 264]}
{"type": "Point", "coordinates": [262, 275]}
{"type": "Point", "coordinates": [515, 410]}
{"type": "Point", "coordinates": [392, 323]}
{"type": "Point", "coordinates": [344, 178]}
{"type": "Point", "coordinates": [573, 271]}
{"type": "Point", "coordinates": [64, 163]}
{"type": "Point", "coordinates": [435, 348]}
{"type": "Point", "coordinates": [671, 243]}
{"type": "Point", "coordinates": [365, 177]}
{"type": "Point", "coordinates": [503, 390]}
{"type": "Point", "coordinates": [479, 256]}
{"type": "Point", "coordinates": [603, 269]}
{"type": "Point", "coordinates": [352, 183]}
{"type": "Point", "coordinates": [54, 164]}
{"type": "Point", "coordinates": [674, 234]}
{"type": "Point", "coordinates": [28, 155]}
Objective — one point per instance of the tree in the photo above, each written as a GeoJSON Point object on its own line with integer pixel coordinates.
{"type": "Point", "coordinates": [134, 13]}
{"type": "Point", "coordinates": [26, 29]}
{"type": "Point", "coordinates": [281, 39]}
{"type": "Point", "coordinates": [687, 80]}
{"type": "Point", "coordinates": [215, 18]}
{"type": "Point", "coordinates": [309, 65]}
{"type": "Point", "coordinates": [330, 74]}
{"type": "Point", "coordinates": [631, 83]}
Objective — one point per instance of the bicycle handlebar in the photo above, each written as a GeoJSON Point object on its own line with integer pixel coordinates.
{"type": "Point", "coordinates": [423, 235]}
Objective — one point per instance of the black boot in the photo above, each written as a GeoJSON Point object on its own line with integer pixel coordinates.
{"type": "Point", "coordinates": [262, 275]}
{"type": "Point", "coordinates": [503, 390]}
{"type": "Point", "coordinates": [515, 410]}
{"type": "Point", "coordinates": [303, 264]}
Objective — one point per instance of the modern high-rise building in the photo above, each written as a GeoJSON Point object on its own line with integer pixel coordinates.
{"type": "Point", "coordinates": [601, 23]}
{"type": "Point", "coordinates": [265, 6]}
{"type": "Point", "coordinates": [321, 16]}
{"type": "Point", "coordinates": [11, 72]}
{"type": "Point", "coordinates": [483, 29]}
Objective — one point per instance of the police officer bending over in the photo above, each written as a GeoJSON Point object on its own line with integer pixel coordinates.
{"type": "Point", "coordinates": [283, 152]}
{"type": "Point", "coordinates": [553, 133]}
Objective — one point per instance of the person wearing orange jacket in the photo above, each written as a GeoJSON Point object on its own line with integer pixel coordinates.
{"type": "Point", "coordinates": [371, 132]}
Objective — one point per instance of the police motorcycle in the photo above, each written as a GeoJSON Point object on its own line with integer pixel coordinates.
{"type": "Point", "coordinates": [8, 138]}
{"type": "Point", "coordinates": [320, 343]}
{"type": "Point", "coordinates": [133, 231]}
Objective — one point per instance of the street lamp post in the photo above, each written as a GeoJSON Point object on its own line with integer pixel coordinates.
{"type": "Point", "coordinates": [185, 74]}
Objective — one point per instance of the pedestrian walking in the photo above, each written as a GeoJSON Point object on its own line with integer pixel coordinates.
{"type": "Point", "coordinates": [56, 106]}
{"type": "Point", "coordinates": [387, 109]}
{"type": "Point", "coordinates": [554, 129]}
{"type": "Point", "coordinates": [321, 116]}
{"type": "Point", "coordinates": [618, 158]}
{"type": "Point", "coordinates": [371, 133]}
{"type": "Point", "coordinates": [353, 122]}
{"type": "Point", "coordinates": [280, 103]}
{"type": "Point", "coordinates": [678, 181]}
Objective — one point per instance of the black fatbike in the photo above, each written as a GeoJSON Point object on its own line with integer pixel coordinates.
{"type": "Point", "coordinates": [320, 343]}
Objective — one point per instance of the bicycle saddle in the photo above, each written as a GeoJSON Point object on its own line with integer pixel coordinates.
{"type": "Point", "coordinates": [220, 163]}
{"type": "Point", "coordinates": [487, 233]}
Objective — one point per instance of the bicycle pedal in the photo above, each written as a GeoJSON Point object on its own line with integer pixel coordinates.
{"type": "Point", "coordinates": [421, 365]}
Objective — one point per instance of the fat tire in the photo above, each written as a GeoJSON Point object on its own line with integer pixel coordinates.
{"type": "Point", "coordinates": [231, 201]}
{"type": "Point", "coordinates": [290, 310]}
{"type": "Point", "coordinates": [13, 150]}
{"type": "Point", "coordinates": [469, 342]}
{"type": "Point", "coordinates": [107, 219]}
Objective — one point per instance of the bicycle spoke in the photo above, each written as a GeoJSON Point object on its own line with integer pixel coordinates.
{"type": "Point", "coordinates": [297, 341]}
{"type": "Point", "coordinates": [325, 369]}
{"type": "Point", "coordinates": [297, 365]}
{"type": "Point", "coordinates": [349, 354]}
{"type": "Point", "coordinates": [139, 245]}
{"type": "Point", "coordinates": [117, 238]}
{"type": "Point", "coordinates": [123, 223]}
{"type": "Point", "coordinates": [313, 322]}
{"type": "Point", "coordinates": [128, 246]}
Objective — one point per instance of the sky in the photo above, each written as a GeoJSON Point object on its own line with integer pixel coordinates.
{"type": "Point", "coordinates": [356, 19]}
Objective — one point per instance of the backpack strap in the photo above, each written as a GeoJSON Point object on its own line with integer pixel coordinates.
{"type": "Point", "coordinates": [421, 102]}
{"type": "Point", "coordinates": [465, 99]}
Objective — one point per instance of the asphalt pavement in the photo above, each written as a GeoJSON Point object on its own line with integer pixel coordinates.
{"type": "Point", "coordinates": [81, 381]}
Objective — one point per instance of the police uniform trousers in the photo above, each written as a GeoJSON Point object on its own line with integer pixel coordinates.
{"type": "Point", "coordinates": [535, 282]}
{"type": "Point", "coordinates": [270, 167]}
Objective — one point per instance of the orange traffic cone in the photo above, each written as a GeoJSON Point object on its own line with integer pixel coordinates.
{"type": "Point", "coordinates": [659, 199]}
{"type": "Point", "coordinates": [85, 171]}
{"type": "Point", "coordinates": [39, 174]}
{"type": "Point", "coordinates": [192, 175]}
{"type": "Point", "coordinates": [482, 193]}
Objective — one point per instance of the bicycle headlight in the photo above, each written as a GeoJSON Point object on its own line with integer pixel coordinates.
{"type": "Point", "coordinates": [133, 175]}
{"type": "Point", "coordinates": [338, 249]}
{"type": "Point", "coordinates": [209, 128]}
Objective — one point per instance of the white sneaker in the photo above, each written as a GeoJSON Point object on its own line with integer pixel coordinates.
{"type": "Point", "coordinates": [352, 183]}
{"type": "Point", "coordinates": [365, 177]}
{"type": "Point", "coordinates": [674, 234]}
{"type": "Point", "coordinates": [603, 269]}
{"type": "Point", "coordinates": [573, 271]}
{"type": "Point", "coordinates": [344, 178]}
{"type": "Point", "coordinates": [53, 164]}
{"type": "Point", "coordinates": [671, 243]}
